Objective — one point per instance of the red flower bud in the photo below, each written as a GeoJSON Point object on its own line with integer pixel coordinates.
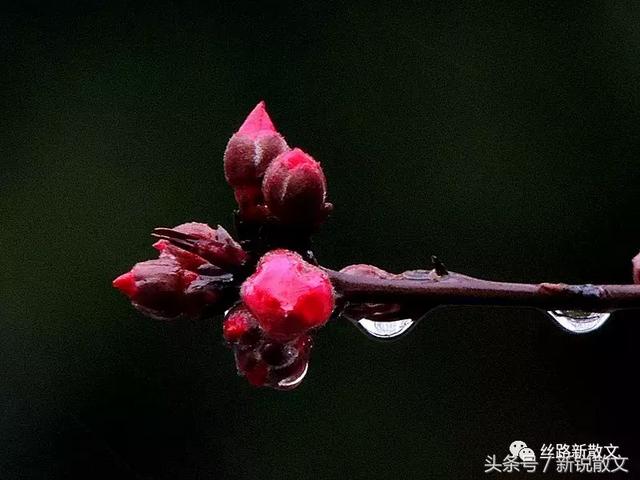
{"type": "Point", "coordinates": [216, 246]}
{"type": "Point", "coordinates": [252, 148]}
{"type": "Point", "coordinates": [163, 289]}
{"type": "Point", "coordinates": [156, 287]}
{"type": "Point", "coordinates": [239, 325]}
{"type": "Point", "coordinates": [261, 359]}
{"type": "Point", "coordinates": [287, 295]}
{"type": "Point", "coordinates": [295, 190]}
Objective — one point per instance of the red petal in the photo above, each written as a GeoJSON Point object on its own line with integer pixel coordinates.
{"type": "Point", "coordinates": [126, 283]}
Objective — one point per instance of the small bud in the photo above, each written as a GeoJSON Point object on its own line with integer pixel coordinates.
{"type": "Point", "coordinates": [262, 360]}
{"type": "Point", "coordinates": [287, 295]}
{"type": "Point", "coordinates": [252, 148]}
{"type": "Point", "coordinates": [163, 289]}
{"type": "Point", "coordinates": [295, 189]}
{"type": "Point", "coordinates": [216, 246]}
{"type": "Point", "coordinates": [239, 326]}
{"type": "Point", "coordinates": [156, 287]}
{"type": "Point", "coordinates": [272, 363]}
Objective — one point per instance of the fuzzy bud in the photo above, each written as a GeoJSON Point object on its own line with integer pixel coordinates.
{"type": "Point", "coordinates": [252, 148]}
{"type": "Point", "coordinates": [163, 289]}
{"type": "Point", "coordinates": [295, 189]}
{"type": "Point", "coordinates": [240, 326]}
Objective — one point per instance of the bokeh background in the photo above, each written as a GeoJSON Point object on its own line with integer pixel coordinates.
{"type": "Point", "coordinates": [501, 137]}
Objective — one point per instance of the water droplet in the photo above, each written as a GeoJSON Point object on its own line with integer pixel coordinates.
{"type": "Point", "coordinates": [294, 380]}
{"type": "Point", "coordinates": [386, 330]}
{"type": "Point", "coordinates": [383, 321]}
{"type": "Point", "coordinates": [578, 321]}
{"type": "Point", "coordinates": [418, 275]}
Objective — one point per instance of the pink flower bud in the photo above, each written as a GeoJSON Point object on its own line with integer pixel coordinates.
{"type": "Point", "coordinates": [287, 295]}
{"type": "Point", "coordinates": [156, 287]}
{"type": "Point", "coordinates": [216, 246]}
{"type": "Point", "coordinates": [295, 190]}
{"type": "Point", "coordinates": [163, 289]}
{"type": "Point", "coordinates": [252, 148]}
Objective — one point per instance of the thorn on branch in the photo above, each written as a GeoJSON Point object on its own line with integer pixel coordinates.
{"type": "Point", "coordinates": [438, 266]}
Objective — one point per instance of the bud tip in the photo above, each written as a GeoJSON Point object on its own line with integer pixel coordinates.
{"type": "Point", "coordinates": [258, 121]}
{"type": "Point", "coordinates": [126, 283]}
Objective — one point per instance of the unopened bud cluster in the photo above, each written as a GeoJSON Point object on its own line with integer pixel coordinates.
{"type": "Point", "coordinates": [272, 182]}
{"type": "Point", "coordinates": [194, 266]}
{"type": "Point", "coordinates": [269, 330]}
{"type": "Point", "coordinates": [264, 361]}
{"type": "Point", "coordinates": [274, 301]}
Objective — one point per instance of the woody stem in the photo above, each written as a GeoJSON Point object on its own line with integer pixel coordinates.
{"type": "Point", "coordinates": [456, 289]}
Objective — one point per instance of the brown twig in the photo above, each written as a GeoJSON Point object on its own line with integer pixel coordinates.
{"type": "Point", "coordinates": [432, 289]}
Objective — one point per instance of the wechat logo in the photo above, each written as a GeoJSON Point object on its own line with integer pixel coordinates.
{"type": "Point", "coordinates": [519, 449]}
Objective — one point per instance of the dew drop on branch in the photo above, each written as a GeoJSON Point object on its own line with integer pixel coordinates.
{"type": "Point", "coordinates": [294, 380]}
{"type": "Point", "coordinates": [386, 330]}
{"type": "Point", "coordinates": [578, 321]}
{"type": "Point", "coordinates": [386, 322]}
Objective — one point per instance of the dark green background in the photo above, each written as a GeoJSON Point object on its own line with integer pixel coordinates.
{"type": "Point", "coordinates": [502, 137]}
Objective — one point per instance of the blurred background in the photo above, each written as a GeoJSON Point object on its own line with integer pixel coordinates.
{"type": "Point", "coordinates": [501, 137]}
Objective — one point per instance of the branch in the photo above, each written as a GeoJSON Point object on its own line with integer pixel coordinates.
{"type": "Point", "coordinates": [427, 287]}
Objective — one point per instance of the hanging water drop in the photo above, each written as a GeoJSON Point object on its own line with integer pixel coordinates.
{"type": "Point", "coordinates": [578, 321]}
{"type": "Point", "coordinates": [383, 321]}
{"type": "Point", "coordinates": [294, 380]}
{"type": "Point", "coordinates": [386, 330]}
